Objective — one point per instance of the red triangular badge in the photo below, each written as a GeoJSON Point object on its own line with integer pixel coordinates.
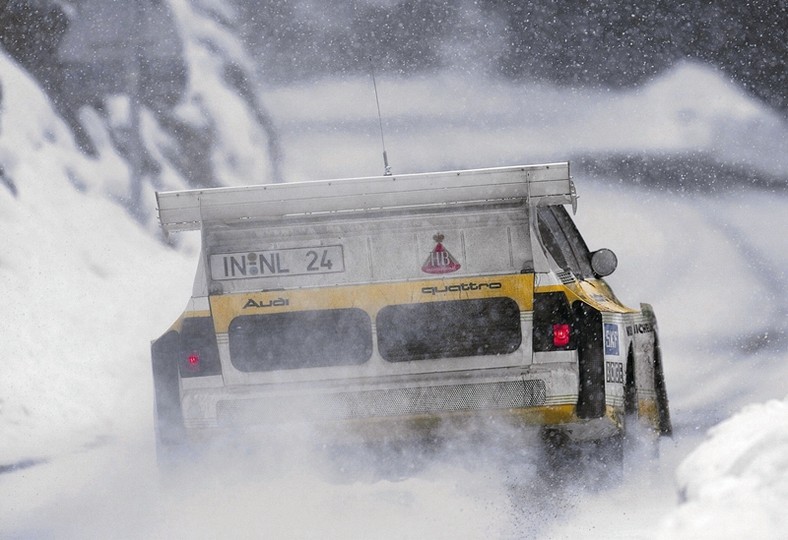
{"type": "Point", "coordinates": [440, 261]}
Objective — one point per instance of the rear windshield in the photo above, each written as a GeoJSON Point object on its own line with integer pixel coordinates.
{"type": "Point", "coordinates": [302, 339]}
{"type": "Point", "coordinates": [449, 329]}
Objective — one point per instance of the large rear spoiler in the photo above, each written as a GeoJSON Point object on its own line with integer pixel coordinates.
{"type": "Point", "coordinates": [546, 184]}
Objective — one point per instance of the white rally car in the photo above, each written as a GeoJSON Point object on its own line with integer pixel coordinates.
{"type": "Point", "coordinates": [385, 307]}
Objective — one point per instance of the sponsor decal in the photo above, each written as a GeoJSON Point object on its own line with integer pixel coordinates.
{"type": "Point", "coordinates": [278, 302]}
{"type": "Point", "coordinates": [460, 287]}
{"type": "Point", "coordinates": [440, 261]}
{"type": "Point", "coordinates": [614, 372]}
{"type": "Point", "coordinates": [642, 328]}
{"type": "Point", "coordinates": [611, 339]}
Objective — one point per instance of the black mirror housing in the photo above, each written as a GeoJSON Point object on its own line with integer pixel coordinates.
{"type": "Point", "coordinates": [603, 262]}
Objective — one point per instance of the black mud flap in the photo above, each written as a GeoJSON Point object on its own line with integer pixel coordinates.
{"type": "Point", "coordinates": [593, 464]}
{"type": "Point", "coordinates": [663, 409]}
{"type": "Point", "coordinates": [591, 360]}
{"type": "Point", "coordinates": [166, 387]}
{"type": "Point", "coordinates": [665, 425]}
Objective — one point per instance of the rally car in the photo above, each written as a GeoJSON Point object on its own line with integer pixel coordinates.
{"type": "Point", "coordinates": [388, 307]}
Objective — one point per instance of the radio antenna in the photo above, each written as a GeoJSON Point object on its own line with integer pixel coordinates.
{"type": "Point", "coordinates": [386, 166]}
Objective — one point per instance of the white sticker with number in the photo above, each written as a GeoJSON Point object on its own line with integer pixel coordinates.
{"type": "Point", "coordinates": [278, 262]}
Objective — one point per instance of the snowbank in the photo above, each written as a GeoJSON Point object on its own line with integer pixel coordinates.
{"type": "Point", "coordinates": [449, 120]}
{"type": "Point", "coordinates": [735, 484]}
{"type": "Point", "coordinates": [80, 287]}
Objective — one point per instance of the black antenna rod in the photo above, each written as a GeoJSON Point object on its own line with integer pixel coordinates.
{"type": "Point", "coordinates": [386, 166]}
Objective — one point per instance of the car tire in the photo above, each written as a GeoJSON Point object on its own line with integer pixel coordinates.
{"type": "Point", "coordinates": [594, 464]}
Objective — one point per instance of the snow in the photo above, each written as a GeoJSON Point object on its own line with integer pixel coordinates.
{"type": "Point", "coordinates": [211, 49]}
{"type": "Point", "coordinates": [70, 257]}
{"type": "Point", "coordinates": [85, 289]}
{"type": "Point", "coordinates": [453, 120]}
{"type": "Point", "coordinates": [736, 482]}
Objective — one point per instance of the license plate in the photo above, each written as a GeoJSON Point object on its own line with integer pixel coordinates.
{"type": "Point", "coordinates": [278, 262]}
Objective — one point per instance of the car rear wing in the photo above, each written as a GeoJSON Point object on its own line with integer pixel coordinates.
{"type": "Point", "coordinates": [546, 184]}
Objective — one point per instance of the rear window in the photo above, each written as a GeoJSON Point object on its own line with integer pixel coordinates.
{"type": "Point", "coordinates": [301, 339]}
{"type": "Point", "coordinates": [563, 241]}
{"type": "Point", "coordinates": [458, 328]}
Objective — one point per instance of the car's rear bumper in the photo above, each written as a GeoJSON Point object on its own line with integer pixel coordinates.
{"type": "Point", "coordinates": [402, 409]}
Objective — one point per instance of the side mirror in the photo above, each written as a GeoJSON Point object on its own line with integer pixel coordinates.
{"type": "Point", "coordinates": [603, 262]}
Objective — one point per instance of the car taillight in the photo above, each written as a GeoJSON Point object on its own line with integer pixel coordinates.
{"type": "Point", "coordinates": [199, 351]}
{"type": "Point", "coordinates": [561, 335]}
{"type": "Point", "coordinates": [193, 361]}
{"type": "Point", "coordinates": [553, 323]}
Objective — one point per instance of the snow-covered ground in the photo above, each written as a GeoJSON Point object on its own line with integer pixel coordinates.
{"type": "Point", "coordinates": [736, 482]}
{"type": "Point", "coordinates": [85, 289]}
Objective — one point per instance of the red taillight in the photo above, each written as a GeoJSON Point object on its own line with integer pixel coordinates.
{"type": "Point", "coordinates": [193, 361]}
{"type": "Point", "coordinates": [561, 335]}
